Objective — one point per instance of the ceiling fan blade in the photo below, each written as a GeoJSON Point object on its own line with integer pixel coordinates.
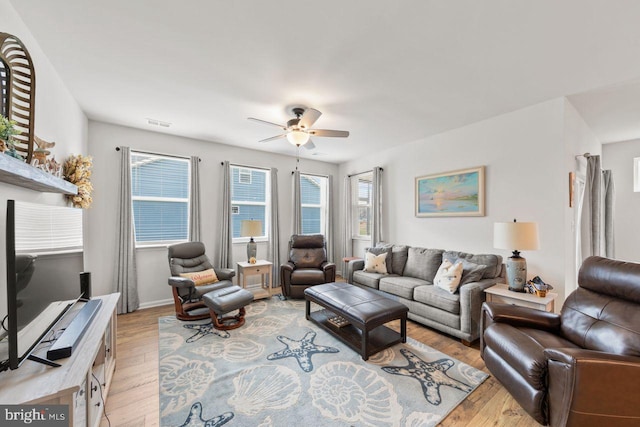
{"type": "Point", "coordinates": [273, 138]}
{"type": "Point", "coordinates": [329, 132]}
{"type": "Point", "coordinates": [267, 123]}
{"type": "Point", "coordinates": [309, 117]}
{"type": "Point", "coordinates": [309, 145]}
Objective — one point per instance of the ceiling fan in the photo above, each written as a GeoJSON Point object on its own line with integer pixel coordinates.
{"type": "Point", "coordinates": [298, 131]}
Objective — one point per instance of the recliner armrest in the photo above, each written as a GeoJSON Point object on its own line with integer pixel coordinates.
{"type": "Point", "coordinates": [521, 316]}
{"type": "Point", "coordinates": [287, 266]}
{"type": "Point", "coordinates": [181, 282]}
{"type": "Point", "coordinates": [224, 273]}
{"type": "Point", "coordinates": [327, 266]}
{"type": "Point", "coordinates": [592, 387]}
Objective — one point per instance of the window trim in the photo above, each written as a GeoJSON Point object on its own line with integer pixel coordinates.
{"type": "Point", "coordinates": [324, 197]}
{"type": "Point", "coordinates": [266, 203]}
{"type": "Point", "coordinates": [161, 243]}
{"type": "Point", "coordinates": [356, 204]}
{"type": "Point", "coordinates": [636, 175]}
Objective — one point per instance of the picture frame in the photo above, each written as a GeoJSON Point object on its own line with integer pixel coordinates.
{"type": "Point", "coordinates": [454, 193]}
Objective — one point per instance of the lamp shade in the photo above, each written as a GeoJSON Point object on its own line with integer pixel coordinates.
{"type": "Point", "coordinates": [516, 235]}
{"type": "Point", "coordinates": [298, 137]}
{"type": "Point", "coordinates": [250, 228]}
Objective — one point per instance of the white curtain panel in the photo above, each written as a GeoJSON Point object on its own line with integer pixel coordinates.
{"type": "Point", "coordinates": [596, 220]}
{"type": "Point", "coordinates": [347, 234]}
{"type": "Point", "coordinates": [273, 250]}
{"type": "Point", "coordinates": [376, 208]}
{"type": "Point", "coordinates": [330, 219]}
{"type": "Point", "coordinates": [126, 278]}
{"type": "Point", "coordinates": [194, 200]}
{"type": "Point", "coordinates": [297, 204]}
{"type": "Point", "coordinates": [225, 254]}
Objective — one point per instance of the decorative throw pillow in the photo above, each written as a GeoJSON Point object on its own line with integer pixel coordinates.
{"type": "Point", "coordinates": [448, 276]}
{"type": "Point", "coordinates": [471, 272]}
{"type": "Point", "coordinates": [375, 263]}
{"type": "Point", "coordinates": [378, 250]}
{"type": "Point", "coordinates": [202, 277]}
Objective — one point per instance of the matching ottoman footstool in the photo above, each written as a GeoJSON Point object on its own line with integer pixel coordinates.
{"type": "Point", "coordinates": [226, 300]}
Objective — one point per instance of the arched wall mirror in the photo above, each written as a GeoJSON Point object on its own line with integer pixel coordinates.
{"type": "Point", "coordinates": [18, 91]}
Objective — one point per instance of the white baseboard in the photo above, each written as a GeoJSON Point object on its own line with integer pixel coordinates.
{"type": "Point", "coordinates": [157, 303]}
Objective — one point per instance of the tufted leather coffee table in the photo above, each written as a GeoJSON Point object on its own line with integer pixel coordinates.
{"type": "Point", "coordinates": [366, 311]}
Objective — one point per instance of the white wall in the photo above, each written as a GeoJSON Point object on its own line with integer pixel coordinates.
{"type": "Point", "coordinates": [57, 118]}
{"type": "Point", "coordinates": [619, 158]}
{"type": "Point", "coordinates": [153, 268]}
{"type": "Point", "coordinates": [526, 178]}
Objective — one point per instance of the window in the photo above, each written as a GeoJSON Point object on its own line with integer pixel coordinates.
{"type": "Point", "coordinates": [636, 174]}
{"type": "Point", "coordinates": [313, 200]}
{"type": "Point", "coordinates": [160, 196]}
{"type": "Point", "coordinates": [362, 196]}
{"type": "Point", "coordinates": [249, 196]}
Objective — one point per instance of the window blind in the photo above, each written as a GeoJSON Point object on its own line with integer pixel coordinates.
{"type": "Point", "coordinates": [47, 229]}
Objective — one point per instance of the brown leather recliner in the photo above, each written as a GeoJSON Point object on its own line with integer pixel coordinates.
{"type": "Point", "coordinates": [580, 367]}
{"type": "Point", "coordinates": [307, 265]}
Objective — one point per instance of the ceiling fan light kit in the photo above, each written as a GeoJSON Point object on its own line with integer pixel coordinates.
{"type": "Point", "coordinates": [298, 130]}
{"type": "Point", "coordinates": [298, 137]}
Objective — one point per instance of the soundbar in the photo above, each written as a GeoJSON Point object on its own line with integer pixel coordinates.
{"type": "Point", "coordinates": [68, 341]}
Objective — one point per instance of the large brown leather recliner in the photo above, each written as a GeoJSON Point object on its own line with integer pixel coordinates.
{"type": "Point", "coordinates": [307, 265]}
{"type": "Point", "coordinates": [580, 367]}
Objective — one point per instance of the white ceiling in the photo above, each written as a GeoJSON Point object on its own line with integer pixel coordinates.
{"type": "Point", "coordinates": [390, 72]}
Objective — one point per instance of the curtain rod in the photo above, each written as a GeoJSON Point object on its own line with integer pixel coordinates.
{"type": "Point", "coordinates": [585, 155]}
{"type": "Point", "coordinates": [160, 154]}
{"type": "Point", "coordinates": [362, 173]}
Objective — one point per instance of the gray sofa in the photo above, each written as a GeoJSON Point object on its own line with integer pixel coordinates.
{"type": "Point", "coordinates": [410, 281]}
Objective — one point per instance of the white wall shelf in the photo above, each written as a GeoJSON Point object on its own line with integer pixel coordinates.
{"type": "Point", "coordinates": [17, 172]}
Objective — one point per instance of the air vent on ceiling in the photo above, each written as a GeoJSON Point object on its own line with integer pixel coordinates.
{"type": "Point", "coordinates": [156, 122]}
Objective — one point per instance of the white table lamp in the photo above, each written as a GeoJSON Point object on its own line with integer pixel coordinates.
{"type": "Point", "coordinates": [251, 228]}
{"type": "Point", "coordinates": [516, 236]}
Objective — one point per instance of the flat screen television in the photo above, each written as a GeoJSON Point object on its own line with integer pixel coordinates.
{"type": "Point", "coordinates": [44, 251]}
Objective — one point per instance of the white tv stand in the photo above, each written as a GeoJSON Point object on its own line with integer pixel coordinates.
{"type": "Point", "coordinates": [74, 382]}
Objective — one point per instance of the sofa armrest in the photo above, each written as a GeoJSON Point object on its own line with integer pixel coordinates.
{"type": "Point", "coordinates": [354, 265]}
{"type": "Point", "coordinates": [181, 282]}
{"type": "Point", "coordinates": [224, 273]}
{"type": "Point", "coordinates": [592, 387]}
{"type": "Point", "coordinates": [471, 298]}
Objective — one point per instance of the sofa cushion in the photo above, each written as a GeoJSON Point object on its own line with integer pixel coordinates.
{"type": "Point", "coordinates": [399, 255]}
{"type": "Point", "coordinates": [493, 262]}
{"type": "Point", "coordinates": [401, 286]}
{"type": "Point", "coordinates": [368, 279]}
{"type": "Point", "coordinates": [379, 251]}
{"type": "Point", "coordinates": [439, 298]}
{"type": "Point", "coordinates": [423, 263]}
{"type": "Point", "coordinates": [448, 276]}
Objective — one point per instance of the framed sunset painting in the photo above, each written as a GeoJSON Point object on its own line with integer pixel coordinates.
{"type": "Point", "coordinates": [456, 193]}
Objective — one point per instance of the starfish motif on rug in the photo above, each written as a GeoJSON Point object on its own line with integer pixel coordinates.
{"type": "Point", "coordinates": [302, 350]}
{"type": "Point", "coordinates": [204, 330]}
{"type": "Point", "coordinates": [194, 419]}
{"type": "Point", "coordinates": [431, 375]}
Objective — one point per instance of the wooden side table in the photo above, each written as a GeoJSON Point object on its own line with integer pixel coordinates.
{"type": "Point", "coordinates": [501, 293]}
{"type": "Point", "coordinates": [262, 268]}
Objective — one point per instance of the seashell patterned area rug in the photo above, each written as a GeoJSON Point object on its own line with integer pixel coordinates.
{"type": "Point", "coordinates": [281, 370]}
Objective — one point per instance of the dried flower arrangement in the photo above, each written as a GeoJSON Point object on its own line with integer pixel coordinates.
{"type": "Point", "coordinates": [77, 170]}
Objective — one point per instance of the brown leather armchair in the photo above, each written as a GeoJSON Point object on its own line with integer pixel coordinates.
{"type": "Point", "coordinates": [307, 265]}
{"type": "Point", "coordinates": [190, 257]}
{"type": "Point", "coordinates": [580, 367]}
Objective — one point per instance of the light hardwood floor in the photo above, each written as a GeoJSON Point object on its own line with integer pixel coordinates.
{"type": "Point", "coordinates": [133, 398]}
